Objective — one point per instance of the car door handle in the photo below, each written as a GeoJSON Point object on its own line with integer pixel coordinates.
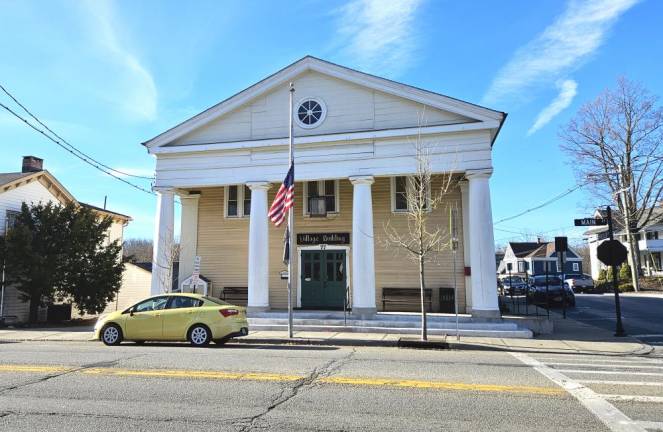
{"type": "Point", "coordinates": [157, 314]}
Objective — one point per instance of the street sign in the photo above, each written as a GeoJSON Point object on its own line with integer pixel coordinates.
{"type": "Point", "coordinates": [611, 252]}
{"type": "Point", "coordinates": [196, 272]}
{"type": "Point", "coordinates": [590, 222]}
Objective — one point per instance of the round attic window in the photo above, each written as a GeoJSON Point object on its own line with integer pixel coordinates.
{"type": "Point", "coordinates": [310, 113]}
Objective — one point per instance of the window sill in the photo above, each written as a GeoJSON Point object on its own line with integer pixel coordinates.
{"type": "Point", "coordinates": [330, 215]}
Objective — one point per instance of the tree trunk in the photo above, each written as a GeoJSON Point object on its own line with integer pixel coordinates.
{"type": "Point", "coordinates": [422, 284]}
{"type": "Point", "coordinates": [634, 262]}
{"type": "Point", "coordinates": [34, 311]}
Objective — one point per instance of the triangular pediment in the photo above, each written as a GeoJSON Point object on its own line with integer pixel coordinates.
{"type": "Point", "coordinates": [352, 101]}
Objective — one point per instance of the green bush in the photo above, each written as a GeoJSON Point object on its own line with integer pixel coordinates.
{"type": "Point", "coordinates": [626, 287]}
{"type": "Point", "coordinates": [602, 275]}
{"type": "Point", "coordinates": [603, 286]}
{"type": "Point", "coordinates": [625, 272]}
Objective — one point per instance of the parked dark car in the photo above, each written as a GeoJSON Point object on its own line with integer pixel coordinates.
{"type": "Point", "coordinates": [515, 285]}
{"type": "Point", "coordinates": [555, 293]}
{"type": "Point", "coordinates": [580, 283]}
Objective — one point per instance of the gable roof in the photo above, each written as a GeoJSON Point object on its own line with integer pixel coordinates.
{"type": "Point", "coordinates": [523, 249]}
{"type": "Point", "coordinates": [435, 100]}
{"type": "Point", "coordinates": [13, 180]}
{"type": "Point", "coordinates": [6, 178]}
{"type": "Point", "coordinates": [10, 181]}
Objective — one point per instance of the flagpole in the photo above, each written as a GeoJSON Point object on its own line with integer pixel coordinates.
{"type": "Point", "coordinates": [291, 218]}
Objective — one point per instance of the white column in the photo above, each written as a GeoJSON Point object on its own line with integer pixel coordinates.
{"type": "Point", "coordinates": [188, 234]}
{"type": "Point", "coordinates": [465, 204]}
{"type": "Point", "coordinates": [162, 254]}
{"type": "Point", "coordinates": [482, 246]}
{"type": "Point", "coordinates": [258, 248]}
{"type": "Point", "coordinates": [363, 255]}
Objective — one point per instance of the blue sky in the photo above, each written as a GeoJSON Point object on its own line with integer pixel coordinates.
{"type": "Point", "coordinates": [108, 75]}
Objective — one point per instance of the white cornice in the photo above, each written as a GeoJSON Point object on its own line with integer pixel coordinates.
{"type": "Point", "coordinates": [328, 138]}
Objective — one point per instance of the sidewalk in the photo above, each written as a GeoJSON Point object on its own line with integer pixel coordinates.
{"type": "Point", "coordinates": [570, 337]}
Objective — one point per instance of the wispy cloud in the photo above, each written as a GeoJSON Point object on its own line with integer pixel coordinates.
{"type": "Point", "coordinates": [567, 91]}
{"type": "Point", "coordinates": [561, 48]}
{"type": "Point", "coordinates": [138, 93]}
{"type": "Point", "coordinates": [378, 35]}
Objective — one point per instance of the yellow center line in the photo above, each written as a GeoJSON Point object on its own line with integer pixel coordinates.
{"type": "Point", "coordinates": [33, 368]}
{"type": "Point", "coordinates": [276, 377]}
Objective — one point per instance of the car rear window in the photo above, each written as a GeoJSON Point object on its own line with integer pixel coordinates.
{"type": "Point", "coordinates": [551, 281]}
{"type": "Point", "coordinates": [216, 300]}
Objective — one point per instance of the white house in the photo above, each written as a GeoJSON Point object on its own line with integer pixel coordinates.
{"type": "Point", "coordinates": [649, 238]}
{"type": "Point", "coordinates": [33, 185]}
{"type": "Point", "coordinates": [354, 136]}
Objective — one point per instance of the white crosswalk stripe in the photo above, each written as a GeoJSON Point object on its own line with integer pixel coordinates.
{"type": "Point", "coordinates": [612, 388]}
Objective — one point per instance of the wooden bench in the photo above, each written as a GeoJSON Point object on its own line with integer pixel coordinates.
{"type": "Point", "coordinates": [235, 294]}
{"type": "Point", "coordinates": [407, 297]}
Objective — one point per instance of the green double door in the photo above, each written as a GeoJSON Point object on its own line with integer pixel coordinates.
{"type": "Point", "coordinates": [323, 279]}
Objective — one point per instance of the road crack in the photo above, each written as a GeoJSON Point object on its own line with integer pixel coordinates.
{"type": "Point", "coordinates": [102, 364]}
{"type": "Point", "coordinates": [288, 392]}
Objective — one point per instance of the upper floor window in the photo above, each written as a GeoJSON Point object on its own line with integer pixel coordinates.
{"type": "Point", "coordinates": [325, 189]}
{"type": "Point", "coordinates": [11, 218]}
{"type": "Point", "coordinates": [403, 186]}
{"type": "Point", "coordinates": [576, 266]}
{"type": "Point", "coordinates": [651, 235]}
{"type": "Point", "coordinates": [238, 201]}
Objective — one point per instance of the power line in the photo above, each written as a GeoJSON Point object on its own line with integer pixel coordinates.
{"type": "Point", "coordinates": [65, 142]}
{"type": "Point", "coordinates": [87, 161]}
{"type": "Point", "coordinates": [550, 201]}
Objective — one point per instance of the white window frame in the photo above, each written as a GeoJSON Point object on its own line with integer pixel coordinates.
{"type": "Point", "coordinates": [321, 184]}
{"type": "Point", "coordinates": [323, 115]}
{"type": "Point", "coordinates": [392, 194]}
{"type": "Point", "coordinates": [576, 267]}
{"type": "Point", "coordinates": [240, 202]}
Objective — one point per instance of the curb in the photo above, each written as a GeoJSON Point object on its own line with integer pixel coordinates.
{"type": "Point", "coordinates": [643, 350]}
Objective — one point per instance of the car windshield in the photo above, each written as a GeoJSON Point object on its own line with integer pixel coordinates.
{"type": "Point", "coordinates": [216, 300]}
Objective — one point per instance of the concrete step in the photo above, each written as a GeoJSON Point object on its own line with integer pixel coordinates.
{"type": "Point", "coordinates": [494, 333]}
{"type": "Point", "coordinates": [379, 323]}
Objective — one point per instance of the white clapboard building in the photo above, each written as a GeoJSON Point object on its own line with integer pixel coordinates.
{"type": "Point", "coordinates": [354, 139]}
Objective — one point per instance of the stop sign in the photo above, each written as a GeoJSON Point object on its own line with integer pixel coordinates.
{"type": "Point", "coordinates": [611, 252]}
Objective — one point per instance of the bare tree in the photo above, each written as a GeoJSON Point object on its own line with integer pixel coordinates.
{"type": "Point", "coordinates": [615, 145]}
{"type": "Point", "coordinates": [137, 250]}
{"type": "Point", "coordinates": [421, 241]}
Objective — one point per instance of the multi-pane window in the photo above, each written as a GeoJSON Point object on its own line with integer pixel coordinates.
{"type": "Point", "coordinates": [238, 201]}
{"type": "Point", "coordinates": [522, 266]}
{"type": "Point", "coordinates": [247, 200]}
{"type": "Point", "coordinates": [576, 267]}
{"type": "Point", "coordinates": [400, 194]}
{"type": "Point", "coordinates": [401, 186]}
{"type": "Point", "coordinates": [651, 235]}
{"type": "Point", "coordinates": [11, 218]}
{"type": "Point", "coordinates": [327, 189]}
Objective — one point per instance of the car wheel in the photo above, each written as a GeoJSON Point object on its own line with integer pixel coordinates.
{"type": "Point", "coordinates": [199, 335]}
{"type": "Point", "coordinates": [111, 334]}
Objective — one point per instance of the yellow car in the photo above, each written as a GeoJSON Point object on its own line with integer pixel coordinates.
{"type": "Point", "coordinates": [174, 317]}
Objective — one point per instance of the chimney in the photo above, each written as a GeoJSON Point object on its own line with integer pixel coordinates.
{"type": "Point", "coordinates": [32, 164]}
{"type": "Point", "coordinates": [539, 240]}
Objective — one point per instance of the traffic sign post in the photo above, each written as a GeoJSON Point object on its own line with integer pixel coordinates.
{"type": "Point", "coordinates": [561, 246]}
{"type": "Point", "coordinates": [613, 253]}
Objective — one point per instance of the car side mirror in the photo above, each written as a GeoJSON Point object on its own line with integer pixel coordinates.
{"type": "Point", "coordinates": [131, 312]}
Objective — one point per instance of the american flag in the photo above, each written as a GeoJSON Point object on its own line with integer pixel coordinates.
{"type": "Point", "coordinates": [285, 198]}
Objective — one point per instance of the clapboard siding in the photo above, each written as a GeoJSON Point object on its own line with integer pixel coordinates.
{"type": "Point", "coordinates": [350, 107]}
{"type": "Point", "coordinates": [223, 243]}
{"type": "Point", "coordinates": [30, 193]}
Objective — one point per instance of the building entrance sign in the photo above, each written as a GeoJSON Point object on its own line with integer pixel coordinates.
{"type": "Point", "coordinates": [309, 239]}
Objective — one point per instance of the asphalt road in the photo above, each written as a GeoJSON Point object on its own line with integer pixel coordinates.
{"type": "Point", "coordinates": [60, 386]}
{"type": "Point", "coordinates": [642, 315]}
